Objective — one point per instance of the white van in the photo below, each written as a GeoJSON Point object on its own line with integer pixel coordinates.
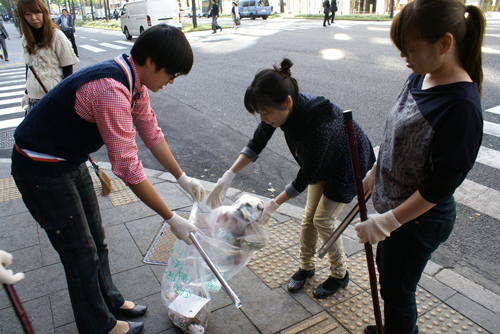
{"type": "Point", "coordinates": [137, 16]}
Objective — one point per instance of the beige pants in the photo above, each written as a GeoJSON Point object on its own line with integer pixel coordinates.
{"type": "Point", "coordinates": [319, 218]}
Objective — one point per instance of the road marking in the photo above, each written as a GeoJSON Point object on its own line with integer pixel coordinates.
{"type": "Point", "coordinates": [112, 46]}
{"type": "Point", "coordinates": [11, 82]}
{"type": "Point", "coordinates": [91, 48]}
{"type": "Point", "coordinates": [12, 69]}
{"type": "Point", "coordinates": [492, 129]}
{"type": "Point", "coordinates": [83, 37]}
{"type": "Point", "coordinates": [479, 197]}
{"type": "Point", "coordinates": [489, 157]}
{"type": "Point", "coordinates": [10, 123]}
{"type": "Point", "coordinates": [9, 94]}
{"type": "Point", "coordinates": [10, 101]}
{"type": "Point", "coordinates": [12, 73]}
{"type": "Point", "coordinates": [12, 110]}
{"type": "Point", "coordinates": [124, 42]}
{"type": "Point", "coordinates": [94, 40]}
{"type": "Point", "coordinates": [494, 110]}
{"type": "Point", "coordinates": [12, 87]}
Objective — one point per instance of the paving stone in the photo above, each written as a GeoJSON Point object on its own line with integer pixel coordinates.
{"type": "Point", "coordinates": [435, 287]}
{"type": "Point", "coordinates": [26, 259]}
{"type": "Point", "coordinates": [13, 208]}
{"type": "Point", "coordinates": [173, 195]}
{"type": "Point", "coordinates": [144, 231]}
{"type": "Point", "coordinates": [62, 312]}
{"type": "Point", "coordinates": [472, 310]}
{"type": "Point", "coordinates": [125, 213]}
{"type": "Point", "coordinates": [443, 318]}
{"type": "Point", "coordinates": [38, 313]}
{"type": "Point", "coordinates": [264, 307]}
{"type": "Point", "coordinates": [137, 283]}
{"type": "Point", "coordinates": [310, 304]}
{"type": "Point", "coordinates": [470, 289]}
{"type": "Point", "coordinates": [432, 268]}
{"type": "Point", "coordinates": [41, 282]}
{"type": "Point", "coordinates": [321, 323]}
{"type": "Point", "coordinates": [17, 232]}
{"type": "Point", "coordinates": [229, 320]}
{"type": "Point", "coordinates": [67, 329]}
{"type": "Point", "coordinates": [123, 252]}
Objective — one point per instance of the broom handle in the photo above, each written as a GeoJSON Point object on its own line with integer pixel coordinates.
{"type": "Point", "coordinates": [362, 214]}
{"type": "Point", "coordinates": [38, 79]}
{"type": "Point", "coordinates": [18, 307]}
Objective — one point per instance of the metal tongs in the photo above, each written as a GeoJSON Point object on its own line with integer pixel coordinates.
{"type": "Point", "coordinates": [192, 218]}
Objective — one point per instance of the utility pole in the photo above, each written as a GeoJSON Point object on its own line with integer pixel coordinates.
{"type": "Point", "coordinates": [193, 11]}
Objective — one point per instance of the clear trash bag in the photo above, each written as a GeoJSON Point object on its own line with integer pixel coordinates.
{"type": "Point", "coordinates": [188, 281]}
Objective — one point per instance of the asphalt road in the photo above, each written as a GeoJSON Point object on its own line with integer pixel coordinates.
{"type": "Point", "coordinates": [351, 63]}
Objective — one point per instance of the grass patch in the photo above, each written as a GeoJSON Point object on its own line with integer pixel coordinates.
{"type": "Point", "coordinates": [101, 24]}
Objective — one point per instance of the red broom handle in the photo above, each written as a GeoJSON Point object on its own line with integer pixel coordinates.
{"type": "Point", "coordinates": [18, 307]}
{"type": "Point", "coordinates": [362, 213]}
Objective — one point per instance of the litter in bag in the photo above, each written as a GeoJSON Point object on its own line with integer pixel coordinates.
{"type": "Point", "coordinates": [188, 281]}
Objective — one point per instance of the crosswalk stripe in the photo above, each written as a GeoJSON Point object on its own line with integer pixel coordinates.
{"type": "Point", "coordinates": [12, 87]}
{"type": "Point", "coordinates": [489, 157]}
{"type": "Point", "coordinates": [12, 69]}
{"type": "Point", "coordinates": [494, 110]}
{"type": "Point", "coordinates": [124, 42]}
{"type": "Point", "coordinates": [11, 82]}
{"type": "Point", "coordinates": [14, 74]}
{"type": "Point", "coordinates": [10, 101]}
{"type": "Point", "coordinates": [109, 45]}
{"type": "Point", "coordinates": [9, 94]}
{"type": "Point", "coordinates": [91, 48]}
{"type": "Point", "coordinates": [479, 197]}
{"type": "Point", "coordinates": [11, 110]}
{"type": "Point", "coordinates": [10, 123]}
{"type": "Point", "coordinates": [492, 129]}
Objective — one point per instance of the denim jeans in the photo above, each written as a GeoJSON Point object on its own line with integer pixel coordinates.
{"type": "Point", "coordinates": [401, 259]}
{"type": "Point", "coordinates": [66, 207]}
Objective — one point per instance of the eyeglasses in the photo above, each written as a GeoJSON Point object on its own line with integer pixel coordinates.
{"type": "Point", "coordinates": [176, 75]}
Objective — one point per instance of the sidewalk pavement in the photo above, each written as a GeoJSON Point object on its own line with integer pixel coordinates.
{"type": "Point", "coordinates": [447, 302]}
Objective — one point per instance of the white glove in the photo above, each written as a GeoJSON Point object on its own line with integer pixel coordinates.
{"type": "Point", "coordinates": [268, 211]}
{"type": "Point", "coordinates": [24, 101]}
{"type": "Point", "coordinates": [218, 194]}
{"type": "Point", "coordinates": [376, 228]}
{"type": "Point", "coordinates": [192, 186]}
{"type": "Point", "coordinates": [7, 276]}
{"type": "Point", "coordinates": [369, 179]}
{"type": "Point", "coordinates": [181, 227]}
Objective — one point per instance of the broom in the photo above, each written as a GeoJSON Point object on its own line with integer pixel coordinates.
{"type": "Point", "coordinates": [105, 181]}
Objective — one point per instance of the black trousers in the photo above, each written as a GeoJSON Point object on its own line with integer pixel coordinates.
{"type": "Point", "coordinates": [333, 16]}
{"type": "Point", "coordinates": [327, 19]}
{"type": "Point", "coordinates": [71, 37]}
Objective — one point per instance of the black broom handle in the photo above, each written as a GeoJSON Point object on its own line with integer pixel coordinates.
{"type": "Point", "coordinates": [363, 215]}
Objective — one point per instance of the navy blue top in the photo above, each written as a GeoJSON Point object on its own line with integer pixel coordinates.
{"type": "Point", "coordinates": [315, 135]}
{"type": "Point", "coordinates": [431, 140]}
{"type": "Point", "coordinates": [53, 127]}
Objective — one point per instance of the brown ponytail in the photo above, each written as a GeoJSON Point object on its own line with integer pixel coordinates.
{"type": "Point", "coordinates": [431, 19]}
{"type": "Point", "coordinates": [271, 87]}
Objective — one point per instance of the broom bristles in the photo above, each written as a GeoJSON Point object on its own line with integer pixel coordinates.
{"type": "Point", "coordinates": [105, 183]}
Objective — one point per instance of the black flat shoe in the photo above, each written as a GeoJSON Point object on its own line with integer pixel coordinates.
{"type": "Point", "coordinates": [135, 327]}
{"type": "Point", "coordinates": [330, 286]}
{"type": "Point", "coordinates": [136, 311]}
{"type": "Point", "coordinates": [299, 279]}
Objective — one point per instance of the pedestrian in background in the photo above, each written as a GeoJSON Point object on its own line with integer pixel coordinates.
{"type": "Point", "coordinates": [67, 25]}
{"type": "Point", "coordinates": [45, 47]}
{"type": "Point", "coordinates": [326, 11]}
{"type": "Point", "coordinates": [235, 15]}
{"type": "Point", "coordinates": [333, 9]}
{"type": "Point", "coordinates": [106, 103]}
{"type": "Point", "coordinates": [314, 132]}
{"type": "Point", "coordinates": [215, 15]}
{"type": "Point", "coordinates": [432, 137]}
{"type": "Point", "coordinates": [3, 46]}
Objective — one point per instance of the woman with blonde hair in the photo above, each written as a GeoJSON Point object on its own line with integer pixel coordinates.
{"type": "Point", "coordinates": [45, 47]}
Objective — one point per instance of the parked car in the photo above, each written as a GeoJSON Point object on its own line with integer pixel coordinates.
{"type": "Point", "coordinates": [189, 12]}
{"type": "Point", "coordinates": [137, 16]}
{"type": "Point", "coordinates": [254, 8]}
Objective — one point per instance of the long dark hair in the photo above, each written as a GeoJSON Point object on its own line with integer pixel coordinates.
{"type": "Point", "coordinates": [35, 6]}
{"type": "Point", "coordinates": [431, 19]}
{"type": "Point", "coordinates": [271, 87]}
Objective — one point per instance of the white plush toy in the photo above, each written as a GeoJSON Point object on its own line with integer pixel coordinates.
{"type": "Point", "coordinates": [7, 276]}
